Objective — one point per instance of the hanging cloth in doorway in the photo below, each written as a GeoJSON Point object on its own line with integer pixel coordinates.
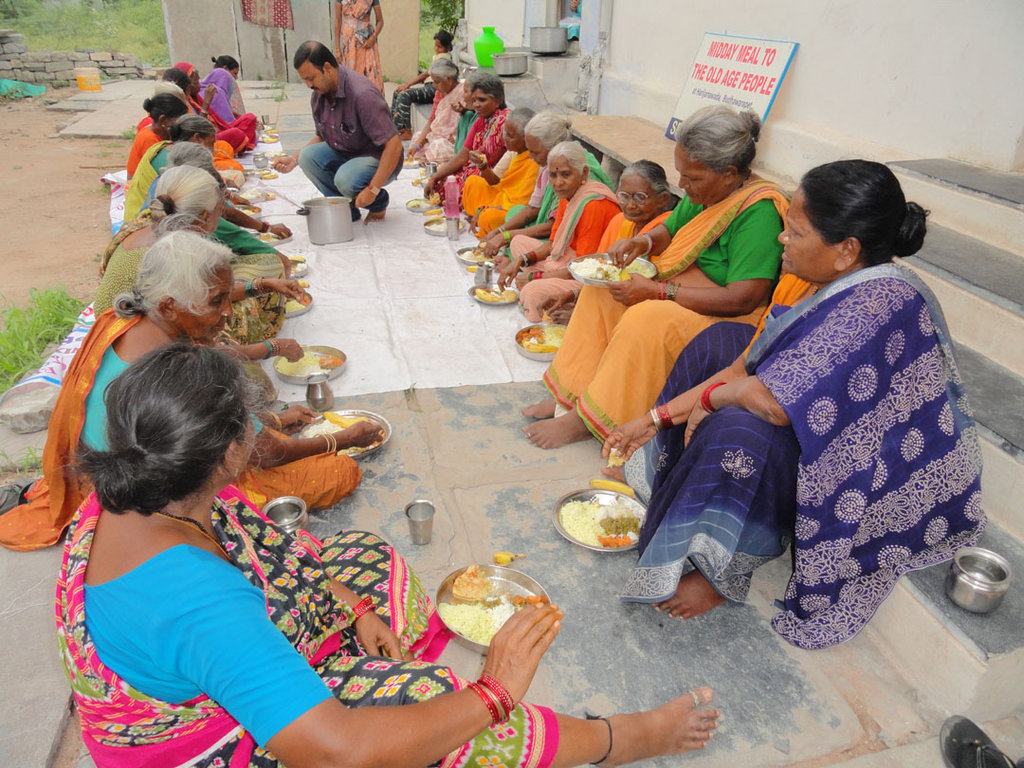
{"type": "Point", "coordinates": [269, 13]}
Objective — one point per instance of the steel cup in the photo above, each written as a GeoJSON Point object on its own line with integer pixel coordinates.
{"type": "Point", "coordinates": [319, 396]}
{"type": "Point", "coordinates": [420, 514]}
{"type": "Point", "coordinates": [453, 229]}
{"type": "Point", "coordinates": [260, 161]}
{"type": "Point", "coordinates": [484, 274]}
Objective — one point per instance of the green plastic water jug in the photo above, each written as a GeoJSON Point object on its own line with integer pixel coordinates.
{"type": "Point", "coordinates": [486, 46]}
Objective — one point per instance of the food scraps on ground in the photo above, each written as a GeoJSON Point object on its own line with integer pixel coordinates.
{"type": "Point", "coordinates": [506, 558]}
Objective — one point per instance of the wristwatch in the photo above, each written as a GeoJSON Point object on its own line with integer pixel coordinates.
{"type": "Point", "coordinates": [374, 190]}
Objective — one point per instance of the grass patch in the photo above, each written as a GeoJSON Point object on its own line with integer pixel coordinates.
{"type": "Point", "coordinates": [28, 332]}
{"type": "Point", "coordinates": [129, 26]}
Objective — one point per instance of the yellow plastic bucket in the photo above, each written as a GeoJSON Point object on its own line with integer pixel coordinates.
{"type": "Point", "coordinates": [88, 78]}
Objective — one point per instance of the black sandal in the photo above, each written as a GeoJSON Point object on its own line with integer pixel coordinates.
{"type": "Point", "coordinates": [14, 494]}
{"type": "Point", "coordinates": [965, 745]}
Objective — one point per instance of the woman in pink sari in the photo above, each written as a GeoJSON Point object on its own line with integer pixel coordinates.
{"type": "Point", "coordinates": [357, 25]}
{"type": "Point", "coordinates": [195, 632]}
{"type": "Point", "coordinates": [485, 144]}
{"type": "Point", "coordinates": [436, 142]}
{"type": "Point", "coordinates": [541, 268]}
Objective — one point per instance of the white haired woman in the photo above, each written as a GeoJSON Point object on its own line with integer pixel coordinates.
{"type": "Point", "coordinates": [436, 142]}
{"type": "Point", "coordinates": [585, 206]}
{"type": "Point", "coordinates": [183, 293]}
{"type": "Point", "coordinates": [717, 255]}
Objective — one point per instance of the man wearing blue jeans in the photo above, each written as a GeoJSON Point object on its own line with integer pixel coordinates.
{"type": "Point", "coordinates": [356, 151]}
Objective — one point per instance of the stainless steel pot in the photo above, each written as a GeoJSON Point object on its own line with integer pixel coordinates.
{"type": "Point", "coordinates": [978, 579]}
{"type": "Point", "coordinates": [329, 219]}
{"type": "Point", "coordinates": [549, 39]}
{"type": "Point", "coordinates": [509, 64]}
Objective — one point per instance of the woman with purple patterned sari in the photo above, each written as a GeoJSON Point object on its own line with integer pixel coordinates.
{"type": "Point", "coordinates": [843, 427]}
{"type": "Point", "coordinates": [195, 632]}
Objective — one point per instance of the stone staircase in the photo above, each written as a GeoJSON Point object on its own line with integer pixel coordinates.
{"type": "Point", "coordinates": [973, 259]}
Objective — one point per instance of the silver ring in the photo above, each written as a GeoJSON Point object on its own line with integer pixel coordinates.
{"type": "Point", "coordinates": [696, 699]}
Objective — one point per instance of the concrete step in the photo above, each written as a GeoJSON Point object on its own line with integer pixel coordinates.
{"type": "Point", "coordinates": [961, 662]}
{"type": "Point", "coordinates": [980, 203]}
{"type": "Point", "coordinates": [981, 290]}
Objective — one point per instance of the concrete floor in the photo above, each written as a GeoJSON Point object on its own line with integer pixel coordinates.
{"type": "Point", "coordinates": [494, 491]}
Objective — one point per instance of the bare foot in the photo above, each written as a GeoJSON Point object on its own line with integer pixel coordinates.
{"type": "Point", "coordinates": [693, 596]}
{"type": "Point", "coordinates": [374, 216]}
{"type": "Point", "coordinates": [615, 473]}
{"type": "Point", "coordinates": [554, 433]}
{"type": "Point", "coordinates": [545, 409]}
{"type": "Point", "coordinates": [675, 727]}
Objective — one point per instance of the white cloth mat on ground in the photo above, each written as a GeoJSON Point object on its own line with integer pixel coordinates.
{"type": "Point", "coordinates": [394, 299]}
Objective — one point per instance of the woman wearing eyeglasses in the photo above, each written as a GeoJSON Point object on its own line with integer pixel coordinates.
{"type": "Point", "coordinates": [717, 256]}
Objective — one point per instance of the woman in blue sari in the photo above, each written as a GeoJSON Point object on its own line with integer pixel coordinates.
{"type": "Point", "coordinates": [843, 428]}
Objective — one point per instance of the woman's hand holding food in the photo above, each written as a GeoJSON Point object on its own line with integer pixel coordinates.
{"type": "Point", "coordinates": [295, 417]}
{"type": "Point", "coordinates": [508, 273]}
{"type": "Point", "coordinates": [289, 288]}
{"type": "Point", "coordinates": [377, 638]}
{"type": "Point", "coordinates": [359, 435]}
{"type": "Point", "coordinates": [622, 252]}
{"type": "Point", "coordinates": [628, 438]}
{"type": "Point", "coordinates": [493, 243]}
{"type": "Point", "coordinates": [479, 159]}
{"type": "Point", "coordinates": [289, 349]}
{"type": "Point", "coordinates": [634, 290]}
{"type": "Point", "coordinates": [429, 186]}
{"type": "Point", "coordinates": [280, 230]}
{"type": "Point", "coordinates": [519, 645]}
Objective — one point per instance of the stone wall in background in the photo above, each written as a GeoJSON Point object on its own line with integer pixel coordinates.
{"type": "Point", "coordinates": [46, 67]}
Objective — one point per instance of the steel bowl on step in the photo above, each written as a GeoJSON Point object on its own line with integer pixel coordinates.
{"type": "Point", "coordinates": [549, 40]}
{"type": "Point", "coordinates": [509, 64]}
{"type": "Point", "coordinates": [978, 579]}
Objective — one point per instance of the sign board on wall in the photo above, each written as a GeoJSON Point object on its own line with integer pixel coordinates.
{"type": "Point", "coordinates": [740, 72]}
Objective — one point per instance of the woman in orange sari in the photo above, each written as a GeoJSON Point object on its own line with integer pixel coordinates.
{"type": "Point", "coordinates": [717, 256]}
{"type": "Point", "coordinates": [646, 202]}
{"type": "Point", "coordinates": [357, 25]}
{"type": "Point", "coordinates": [585, 207]}
{"type": "Point", "coordinates": [486, 198]}
{"type": "Point", "coordinates": [182, 294]}
{"type": "Point", "coordinates": [162, 109]}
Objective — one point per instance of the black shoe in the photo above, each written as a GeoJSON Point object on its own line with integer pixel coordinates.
{"type": "Point", "coordinates": [965, 745]}
{"type": "Point", "coordinates": [13, 495]}
{"type": "Point", "coordinates": [356, 215]}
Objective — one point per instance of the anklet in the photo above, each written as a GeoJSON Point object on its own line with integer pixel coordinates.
{"type": "Point", "coordinates": [611, 739]}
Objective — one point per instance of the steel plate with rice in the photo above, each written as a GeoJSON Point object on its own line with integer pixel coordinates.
{"type": "Point", "coordinates": [315, 359]}
{"type": "Point", "coordinates": [600, 271]}
{"type": "Point", "coordinates": [419, 205]}
{"type": "Point", "coordinates": [540, 341]}
{"type": "Point", "coordinates": [299, 266]}
{"type": "Point", "coordinates": [577, 517]}
{"type": "Point", "coordinates": [338, 420]}
{"type": "Point", "coordinates": [481, 619]}
{"type": "Point", "coordinates": [472, 255]}
{"type": "Point", "coordinates": [271, 239]}
{"type": "Point", "coordinates": [293, 308]}
{"type": "Point", "coordinates": [438, 227]}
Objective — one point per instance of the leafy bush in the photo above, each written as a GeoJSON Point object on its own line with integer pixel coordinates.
{"type": "Point", "coordinates": [441, 14]}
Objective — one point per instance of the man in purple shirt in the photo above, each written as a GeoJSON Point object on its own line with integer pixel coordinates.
{"type": "Point", "coordinates": [356, 150]}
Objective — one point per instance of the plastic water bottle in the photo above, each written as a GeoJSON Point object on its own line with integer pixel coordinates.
{"type": "Point", "coordinates": [451, 198]}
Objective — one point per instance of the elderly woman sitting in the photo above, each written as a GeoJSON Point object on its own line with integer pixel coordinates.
{"type": "Point", "coordinates": [191, 197]}
{"type": "Point", "coordinates": [534, 219]}
{"type": "Point", "coordinates": [182, 607]}
{"type": "Point", "coordinates": [238, 130]}
{"type": "Point", "coordinates": [843, 427]}
{"type": "Point", "coordinates": [646, 202]}
{"type": "Point", "coordinates": [487, 199]}
{"type": "Point", "coordinates": [541, 269]}
{"type": "Point", "coordinates": [183, 293]}
{"type": "Point", "coordinates": [485, 144]}
{"type": "Point", "coordinates": [717, 257]}
{"type": "Point", "coordinates": [436, 142]}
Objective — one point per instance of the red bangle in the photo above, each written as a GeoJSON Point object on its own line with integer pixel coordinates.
{"type": "Point", "coordinates": [265, 226]}
{"type": "Point", "coordinates": [489, 702]}
{"type": "Point", "coordinates": [664, 417]}
{"type": "Point", "coordinates": [705, 396]}
{"type": "Point", "coordinates": [500, 692]}
{"type": "Point", "coordinates": [362, 608]}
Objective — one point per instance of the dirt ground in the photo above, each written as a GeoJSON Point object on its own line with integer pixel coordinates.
{"type": "Point", "coordinates": [55, 221]}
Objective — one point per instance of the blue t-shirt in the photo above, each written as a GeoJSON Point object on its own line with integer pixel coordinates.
{"type": "Point", "coordinates": [186, 623]}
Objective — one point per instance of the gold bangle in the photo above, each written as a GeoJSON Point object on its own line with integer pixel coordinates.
{"type": "Point", "coordinates": [277, 421]}
{"type": "Point", "coordinates": [332, 443]}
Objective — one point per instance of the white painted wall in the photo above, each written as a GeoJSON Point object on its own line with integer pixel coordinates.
{"type": "Point", "coordinates": [506, 16]}
{"type": "Point", "coordinates": [877, 78]}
